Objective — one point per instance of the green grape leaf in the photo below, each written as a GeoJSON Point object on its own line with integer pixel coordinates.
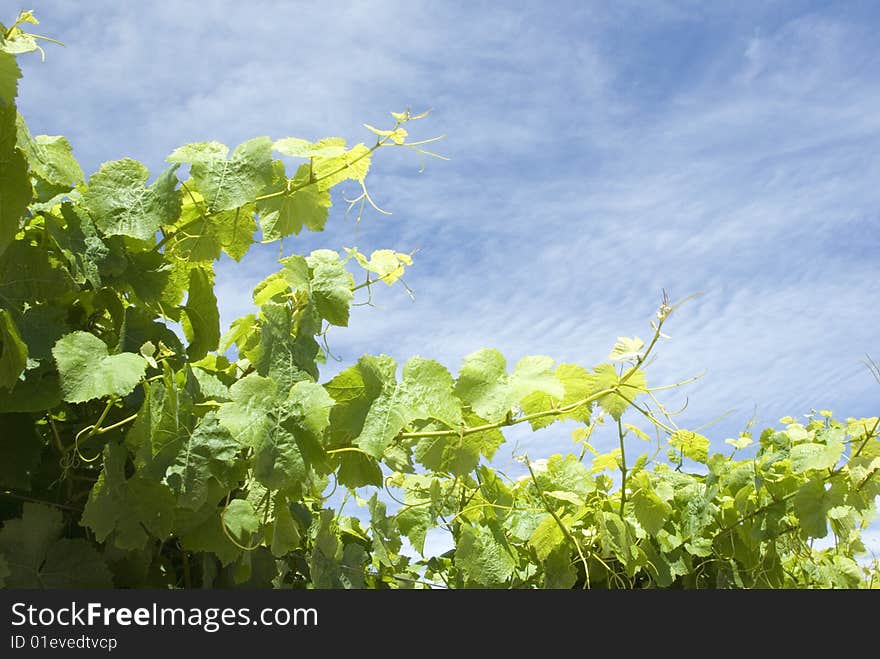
{"type": "Point", "coordinates": [386, 539]}
{"type": "Point", "coordinates": [576, 382]}
{"type": "Point", "coordinates": [811, 505]}
{"type": "Point", "coordinates": [308, 407]}
{"type": "Point", "coordinates": [604, 377]}
{"type": "Point", "coordinates": [241, 520]}
{"type": "Point", "coordinates": [303, 205]}
{"type": "Point", "coordinates": [650, 509]}
{"type": "Point", "coordinates": [199, 152]}
{"type": "Point", "coordinates": [15, 182]}
{"type": "Point", "coordinates": [199, 237]}
{"type": "Point", "coordinates": [36, 556]}
{"type": "Point", "coordinates": [208, 453]}
{"type": "Point", "coordinates": [351, 164]}
{"type": "Point", "coordinates": [813, 455]}
{"type": "Point", "coordinates": [327, 552]}
{"type": "Point", "coordinates": [287, 348]}
{"type": "Point", "coordinates": [424, 393]}
{"type": "Point", "coordinates": [691, 444]}
{"type": "Point", "coordinates": [358, 470]}
{"type": "Point", "coordinates": [246, 414]}
{"type": "Point", "coordinates": [354, 390]}
{"type": "Point", "coordinates": [211, 387]}
{"type": "Point", "coordinates": [559, 574]}
{"type": "Point", "coordinates": [201, 319]}
{"type": "Point", "coordinates": [50, 157]}
{"type": "Point", "coordinates": [40, 327]}
{"type": "Point", "coordinates": [293, 437]}
{"type": "Point", "coordinates": [546, 537]}
{"type": "Point", "coordinates": [80, 244]}
{"type": "Point", "coordinates": [9, 75]}
{"type": "Point", "coordinates": [25, 541]}
{"type": "Point", "coordinates": [228, 184]}
{"type": "Point", "coordinates": [128, 508]}
{"type": "Point", "coordinates": [87, 370]}
{"type": "Point", "coordinates": [456, 455]}
{"type": "Point", "coordinates": [414, 523]}
{"type": "Point", "coordinates": [202, 531]}
{"type": "Point", "coordinates": [482, 555]}
{"type": "Point", "coordinates": [74, 563]}
{"type": "Point", "coordinates": [13, 352]}
{"type": "Point", "coordinates": [121, 204]}
{"type": "Point", "coordinates": [28, 275]}
{"type": "Point", "coordinates": [283, 534]}
{"type": "Point", "coordinates": [39, 391]}
{"type": "Point", "coordinates": [272, 286]}
{"type": "Point", "coordinates": [163, 422]}
{"type": "Point", "coordinates": [15, 191]}
{"type": "Point", "coordinates": [483, 383]}
{"type": "Point", "coordinates": [331, 287]}
{"type": "Point", "coordinates": [567, 474]}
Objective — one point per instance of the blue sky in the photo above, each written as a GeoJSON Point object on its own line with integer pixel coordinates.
{"type": "Point", "coordinates": [599, 152]}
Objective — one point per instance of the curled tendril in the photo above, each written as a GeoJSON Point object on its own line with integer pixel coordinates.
{"type": "Point", "coordinates": [90, 430]}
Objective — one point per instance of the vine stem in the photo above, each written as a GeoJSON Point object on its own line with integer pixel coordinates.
{"type": "Point", "coordinates": [286, 191]}
{"type": "Point", "coordinates": [559, 523]}
{"type": "Point", "coordinates": [623, 470]}
{"type": "Point", "coordinates": [95, 430]}
{"type": "Point", "coordinates": [664, 313]}
{"type": "Point", "coordinates": [507, 421]}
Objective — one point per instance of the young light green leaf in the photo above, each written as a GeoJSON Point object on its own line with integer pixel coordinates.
{"type": "Point", "coordinates": [50, 157]}
{"type": "Point", "coordinates": [577, 384]}
{"type": "Point", "coordinates": [88, 371]}
{"type": "Point", "coordinates": [482, 556]}
{"type": "Point", "coordinates": [303, 204]}
{"type": "Point", "coordinates": [484, 384]}
{"type": "Point", "coordinates": [651, 510]}
{"type": "Point", "coordinates": [740, 442]}
{"type": "Point", "coordinates": [626, 348]}
{"type": "Point", "coordinates": [605, 377]}
{"type": "Point", "coordinates": [813, 455]}
{"type": "Point", "coordinates": [351, 164]}
{"type": "Point", "coordinates": [228, 184]}
{"type": "Point", "coordinates": [691, 444]}
{"type": "Point", "coordinates": [546, 537]}
{"type": "Point", "coordinates": [424, 393]}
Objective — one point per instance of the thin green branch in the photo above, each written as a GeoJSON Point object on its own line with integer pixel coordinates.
{"type": "Point", "coordinates": [620, 436]}
{"type": "Point", "coordinates": [507, 421]}
{"type": "Point", "coordinates": [562, 527]}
